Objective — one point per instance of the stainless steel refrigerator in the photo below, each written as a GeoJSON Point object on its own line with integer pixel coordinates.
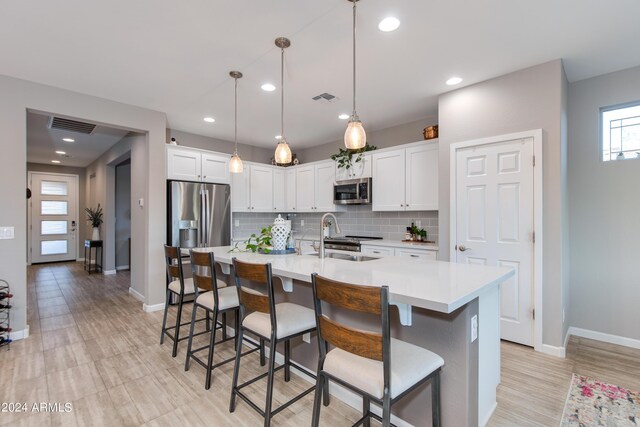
{"type": "Point", "coordinates": [198, 214]}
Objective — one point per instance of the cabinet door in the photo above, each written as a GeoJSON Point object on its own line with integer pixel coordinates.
{"type": "Point", "coordinates": [215, 168]}
{"type": "Point", "coordinates": [388, 181]}
{"type": "Point", "coordinates": [376, 251]}
{"type": "Point", "coordinates": [261, 189]}
{"type": "Point", "coordinates": [421, 193]}
{"type": "Point", "coordinates": [361, 169]}
{"type": "Point", "coordinates": [290, 190]}
{"type": "Point", "coordinates": [417, 254]}
{"type": "Point", "coordinates": [183, 164]}
{"type": "Point", "coordinates": [279, 193]}
{"type": "Point", "coordinates": [325, 178]}
{"type": "Point", "coordinates": [305, 189]}
{"type": "Point", "coordinates": [240, 201]}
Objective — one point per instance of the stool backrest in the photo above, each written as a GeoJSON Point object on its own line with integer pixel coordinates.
{"type": "Point", "coordinates": [173, 261]}
{"type": "Point", "coordinates": [360, 298]}
{"type": "Point", "coordinates": [250, 299]}
{"type": "Point", "coordinates": [203, 271]}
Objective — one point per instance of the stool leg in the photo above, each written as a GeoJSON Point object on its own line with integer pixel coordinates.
{"type": "Point", "coordinates": [262, 359]}
{"type": "Point", "coordinates": [236, 314]}
{"type": "Point", "coordinates": [320, 381]}
{"type": "Point", "coordinates": [435, 399]}
{"type": "Point", "coordinates": [366, 407]}
{"type": "Point", "coordinates": [212, 344]}
{"type": "Point", "coordinates": [207, 321]}
{"type": "Point", "coordinates": [236, 369]}
{"type": "Point", "coordinates": [164, 318]}
{"type": "Point", "coordinates": [224, 326]}
{"type": "Point", "coordinates": [287, 360]}
{"type": "Point", "coordinates": [325, 388]}
{"type": "Point", "coordinates": [187, 362]}
{"type": "Point", "coordinates": [272, 362]}
{"type": "Point", "coordinates": [177, 331]}
{"type": "Point", "coordinates": [386, 409]}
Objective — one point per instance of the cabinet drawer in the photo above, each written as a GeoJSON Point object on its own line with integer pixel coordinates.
{"type": "Point", "coordinates": [416, 254]}
{"type": "Point", "coordinates": [376, 251]}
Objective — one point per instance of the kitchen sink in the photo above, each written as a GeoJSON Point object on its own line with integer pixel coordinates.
{"type": "Point", "coordinates": [349, 257]}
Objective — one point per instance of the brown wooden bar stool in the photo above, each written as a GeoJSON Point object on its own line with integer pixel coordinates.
{"type": "Point", "coordinates": [268, 321]}
{"type": "Point", "coordinates": [181, 287]}
{"type": "Point", "coordinates": [379, 368]}
{"type": "Point", "coordinates": [217, 299]}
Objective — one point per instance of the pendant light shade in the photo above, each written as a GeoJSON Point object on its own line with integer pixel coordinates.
{"type": "Point", "coordinates": [235, 163]}
{"type": "Point", "coordinates": [354, 137]}
{"type": "Point", "coordinates": [282, 155]}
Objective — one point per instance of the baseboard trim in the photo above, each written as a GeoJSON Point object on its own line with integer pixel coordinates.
{"type": "Point", "coordinates": [122, 267]}
{"type": "Point", "coordinates": [601, 336]}
{"type": "Point", "coordinates": [109, 272]}
{"type": "Point", "coordinates": [150, 308]}
{"type": "Point", "coordinates": [19, 335]}
{"type": "Point", "coordinates": [552, 350]}
{"type": "Point", "coordinates": [489, 415]}
{"type": "Point", "coordinates": [137, 295]}
{"type": "Point", "coordinates": [79, 259]}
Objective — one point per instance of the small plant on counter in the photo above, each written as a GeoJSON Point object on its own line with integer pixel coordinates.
{"type": "Point", "coordinates": [255, 243]}
{"type": "Point", "coordinates": [94, 216]}
{"type": "Point", "coordinates": [344, 156]}
{"type": "Point", "coordinates": [419, 233]}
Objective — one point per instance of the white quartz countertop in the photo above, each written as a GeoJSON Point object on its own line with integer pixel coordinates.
{"type": "Point", "coordinates": [400, 244]}
{"type": "Point", "coordinates": [434, 285]}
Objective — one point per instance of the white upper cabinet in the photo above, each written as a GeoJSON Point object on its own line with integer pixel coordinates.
{"type": "Point", "coordinates": [193, 165]}
{"type": "Point", "coordinates": [279, 193]}
{"type": "Point", "coordinates": [406, 179]}
{"type": "Point", "coordinates": [305, 188]}
{"type": "Point", "coordinates": [325, 178]}
{"type": "Point", "coordinates": [290, 190]}
{"type": "Point", "coordinates": [240, 191]}
{"type": "Point", "coordinates": [261, 188]}
{"type": "Point", "coordinates": [314, 187]}
{"type": "Point", "coordinates": [361, 169]}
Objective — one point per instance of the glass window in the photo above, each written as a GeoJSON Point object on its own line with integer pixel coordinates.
{"type": "Point", "coordinates": [53, 227]}
{"type": "Point", "coordinates": [53, 188]}
{"type": "Point", "coordinates": [51, 207]}
{"type": "Point", "coordinates": [620, 132]}
{"type": "Point", "coordinates": [53, 247]}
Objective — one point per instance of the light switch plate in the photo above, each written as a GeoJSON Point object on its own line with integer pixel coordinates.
{"type": "Point", "coordinates": [302, 222]}
{"type": "Point", "coordinates": [237, 222]}
{"type": "Point", "coordinates": [474, 328]}
{"type": "Point", "coordinates": [7, 233]}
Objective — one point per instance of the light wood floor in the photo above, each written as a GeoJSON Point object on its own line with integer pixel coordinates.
{"type": "Point", "coordinates": [91, 344]}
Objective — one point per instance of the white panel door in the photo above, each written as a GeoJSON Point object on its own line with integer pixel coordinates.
{"type": "Point", "coordinates": [421, 192]}
{"type": "Point", "coordinates": [261, 188]}
{"type": "Point", "coordinates": [325, 178]}
{"type": "Point", "coordinates": [494, 224]}
{"type": "Point", "coordinates": [240, 201]}
{"type": "Point", "coordinates": [388, 181]}
{"type": "Point", "coordinates": [54, 217]}
{"type": "Point", "coordinates": [215, 168]}
{"type": "Point", "coordinates": [279, 194]}
{"type": "Point", "coordinates": [184, 164]}
{"type": "Point", "coordinates": [305, 189]}
{"type": "Point", "coordinates": [290, 190]}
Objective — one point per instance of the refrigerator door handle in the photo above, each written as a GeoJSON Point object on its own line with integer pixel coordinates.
{"type": "Point", "coordinates": [207, 208]}
{"type": "Point", "coordinates": [202, 220]}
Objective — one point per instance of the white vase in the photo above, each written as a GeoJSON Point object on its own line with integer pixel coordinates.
{"type": "Point", "coordinates": [279, 234]}
{"type": "Point", "coordinates": [96, 234]}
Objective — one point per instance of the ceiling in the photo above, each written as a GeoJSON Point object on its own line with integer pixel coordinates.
{"type": "Point", "coordinates": [43, 142]}
{"type": "Point", "coordinates": [167, 56]}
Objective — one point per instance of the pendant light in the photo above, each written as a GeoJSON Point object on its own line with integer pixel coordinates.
{"type": "Point", "coordinates": [235, 164]}
{"type": "Point", "coordinates": [283, 151]}
{"type": "Point", "coordinates": [354, 137]}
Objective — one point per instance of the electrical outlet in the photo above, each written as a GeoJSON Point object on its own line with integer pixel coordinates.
{"type": "Point", "coordinates": [474, 328]}
{"type": "Point", "coordinates": [302, 222]}
{"type": "Point", "coordinates": [7, 232]}
{"type": "Point", "coordinates": [419, 224]}
{"type": "Point", "coordinates": [307, 338]}
{"type": "Point", "coordinates": [237, 223]}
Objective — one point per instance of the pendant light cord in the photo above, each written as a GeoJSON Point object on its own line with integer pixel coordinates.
{"type": "Point", "coordinates": [235, 115]}
{"type": "Point", "coordinates": [282, 94]}
{"type": "Point", "coordinates": [354, 115]}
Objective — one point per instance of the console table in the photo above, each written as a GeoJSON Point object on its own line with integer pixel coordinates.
{"type": "Point", "coordinates": [88, 246]}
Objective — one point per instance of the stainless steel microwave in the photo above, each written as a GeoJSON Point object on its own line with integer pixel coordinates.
{"type": "Point", "coordinates": [352, 192]}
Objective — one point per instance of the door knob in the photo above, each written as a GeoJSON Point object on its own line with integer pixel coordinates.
{"type": "Point", "coordinates": [463, 248]}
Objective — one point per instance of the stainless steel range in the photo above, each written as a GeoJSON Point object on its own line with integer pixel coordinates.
{"type": "Point", "coordinates": [347, 243]}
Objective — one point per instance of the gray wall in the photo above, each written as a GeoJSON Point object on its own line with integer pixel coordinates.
{"type": "Point", "coordinates": [17, 97]}
{"type": "Point", "coordinates": [83, 226]}
{"type": "Point", "coordinates": [383, 138]}
{"type": "Point", "coordinates": [246, 152]}
{"type": "Point", "coordinates": [520, 101]}
{"type": "Point", "coordinates": [123, 213]}
{"type": "Point", "coordinates": [605, 219]}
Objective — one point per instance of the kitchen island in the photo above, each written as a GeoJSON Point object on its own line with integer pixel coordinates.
{"type": "Point", "coordinates": [438, 304]}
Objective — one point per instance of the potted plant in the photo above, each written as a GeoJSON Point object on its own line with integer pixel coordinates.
{"type": "Point", "coordinates": [94, 216]}
{"type": "Point", "coordinates": [345, 156]}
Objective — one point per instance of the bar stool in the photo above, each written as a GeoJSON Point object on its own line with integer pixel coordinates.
{"type": "Point", "coordinates": [180, 287]}
{"type": "Point", "coordinates": [272, 322]}
{"type": "Point", "coordinates": [379, 368]}
{"type": "Point", "coordinates": [218, 299]}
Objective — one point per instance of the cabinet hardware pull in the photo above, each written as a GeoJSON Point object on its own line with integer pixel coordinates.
{"type": "Point", "coordinates": [415, 256]}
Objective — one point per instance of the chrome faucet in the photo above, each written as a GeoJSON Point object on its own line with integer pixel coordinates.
{"type": "Point", "coordinates": [335, 221]}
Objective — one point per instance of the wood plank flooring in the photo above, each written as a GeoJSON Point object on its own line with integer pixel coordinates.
{"type": "Point", "coordinates": [92, 345]}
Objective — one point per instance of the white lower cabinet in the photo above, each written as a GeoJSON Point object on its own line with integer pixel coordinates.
{"type": "Point", "coordinates": [416, 253]}
{"type": "Point", "coordinates": [400, 251]}
{"type": "Point", "coordinates": [377, 251]}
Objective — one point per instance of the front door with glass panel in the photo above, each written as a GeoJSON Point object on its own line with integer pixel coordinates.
{"type": "Point", "coordinates": [54, 217]}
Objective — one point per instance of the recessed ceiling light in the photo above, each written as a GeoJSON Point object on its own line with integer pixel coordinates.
{"type": "Point", "coordinates": [389, 24]}
{"type": "Point", "coordinates": [343, 116]}
{"type": "Point", "coordinates": [55, 161]}
{"type": "Point", "coordinates": [61, 152]}
{"type": "Point", "coordinates": [278, 136]}
{"type": "Point", "coordinates": [454, 81]}
{"type": "Point", "coordinates": [68, 140]}
{"type": "Point", "coordinates": [209, 119]}
{"type": "Point", "coordinates": [268, 87]}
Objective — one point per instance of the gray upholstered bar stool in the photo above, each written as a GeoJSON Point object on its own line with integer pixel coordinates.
{"type": "Point", "coordinates": [180, 287]}
{"type": "Point", "coordinates": [379, 368]}
{"type": "Point", "coordinates": [268, 321]}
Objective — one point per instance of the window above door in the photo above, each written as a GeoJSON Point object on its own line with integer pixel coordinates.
{"type": "Point", "coordinates": [620, 132]}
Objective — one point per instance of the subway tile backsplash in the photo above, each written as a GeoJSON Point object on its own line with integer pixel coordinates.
{"type": "Point", "coordinates": [358, 220]}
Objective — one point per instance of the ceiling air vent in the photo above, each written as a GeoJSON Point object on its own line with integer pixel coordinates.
{"type": "Point", "coordinates": [325, 98]}
{"type": "Point", "coordinates": [70, 125]}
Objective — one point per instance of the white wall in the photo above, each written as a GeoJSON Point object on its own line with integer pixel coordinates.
{"type": "Point", "coordinates": [20, 95]}
{"type": "Point", "coordinates": [123, 214]}
{"type": "Point", "coordinates": [523, 100]}
{"type": "Point", "coordinates": [248, 153]}
{"type": "Point", "coordinates": [605, 213]}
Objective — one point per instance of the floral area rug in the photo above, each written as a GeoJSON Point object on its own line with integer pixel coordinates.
{"type": "Point", "coordinates": [594, 403]}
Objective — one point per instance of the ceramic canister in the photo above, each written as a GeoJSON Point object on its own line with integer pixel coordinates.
{"type": "Point", "coordinates": [280, 233]}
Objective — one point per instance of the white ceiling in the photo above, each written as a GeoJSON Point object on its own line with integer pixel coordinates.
{"type": "Point", "coordinates": [175, 56]}
{"type": "Point", "coordinates": [42, 143]}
